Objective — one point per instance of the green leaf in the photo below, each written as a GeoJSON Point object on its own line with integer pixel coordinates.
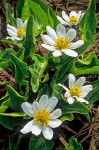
{"type": "Point", "coordinates": [28, 43]}
{"type": "Point", "coordinates": [14, 114]}
{"type": "Point", "coordinates": [88, 65]}
{"type": "Point", "coordinates": [76, 107]}
{"type": "Point", "coordinates": [4, 106]}
{"type": "Point", "coordinates": [73, 144]}
{"type": "Point", "coordinates": [5, 58]}
{"type": "Point", "coordinates": [19, 8]}
{"type": "Point", "coordinates": [45, 89]}
{"type": "Point", "coordinates": [14, 142]}
{"type": "Point", "coordinates": [25, 10]}
{"type": "Point", "coordinates": [68, 117]}
{"type": "Point", "coordinates": [9, 122]}
{"type": "Point", "coordinates": [20, 68]}
{"type": "Point", "coordinates": [39, 143]}
{"type": "Point", "coordinates": [93, 96]}
{"type": "Point", "coordinates": [88, 23]}
{"type": "Point", "coordinates": [52, 18]}
{"type": "Point", "coordinates": [37, 71]}
{"type": "Point", "coordinates": [39, 13]}
{"type": "Point", "coordinates": [24, 88]}
{"type": "Point", "coordinates": [10, 15]}
{"type": "Point", "coordinates": [15, 99]}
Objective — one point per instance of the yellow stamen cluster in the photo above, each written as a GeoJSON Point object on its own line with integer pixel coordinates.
{"type": "Point", "coordinates": [73, 19]}
{"type": "Point", "coordinates": [61, 43]}
{"type": "Point", "coordinates": [75, 91]}
{"type": "Point", "coordinates": [42, 117]}
{"type": "Point", "coordinates": [20, 32]}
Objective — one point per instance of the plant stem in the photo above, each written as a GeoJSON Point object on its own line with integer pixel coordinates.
{"type": "Point", "coordinates": [63, 141]}
{"type": "Point", "coordinates": [8, 76]}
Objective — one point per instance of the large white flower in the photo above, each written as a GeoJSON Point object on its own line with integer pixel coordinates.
{"type": "Point", "coordinates": [43, 117]}
{"type": "Point", "coordinates": [76, 89]}
{"type": "Point", "coordinates": [17, 33]}
{"type": "Point", "coordinates": [60, 41]}
{"type": "Point", "coordinates": [73, 18]}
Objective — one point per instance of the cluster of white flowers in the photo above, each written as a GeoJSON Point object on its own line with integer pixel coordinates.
{"type": "Point", "coordinates": [59, 41]}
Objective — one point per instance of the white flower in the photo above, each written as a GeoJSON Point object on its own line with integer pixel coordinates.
{"type": "Point", "coordinates": [43, 117]}
{"type": "Point", "coordinates": [17, 33]}
{"type": "Point", "coordinates": [60, 41]}
{"type": "Point", "coordinates": [73, 18]}
{"type": "Point", "coordinates": [76, 89]}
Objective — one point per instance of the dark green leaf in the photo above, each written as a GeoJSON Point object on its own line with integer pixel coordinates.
{"type": "Point", "coordinates": [20, 68]}
{"type": "Point", "coordinates": [25, 10]}
{"type": "Point", "coordinates": [37, 71]}
{"type": "Point", "coordinates": [39, 143]}
{"type": "Point", "coordinates": [15, 99]}
{"type": "Point", "coordinates": [73, 144]}
{"type": "Point", "coordinates": [28, 43]}
{"type": "Point", "coordinates": [14, 142]}
{"type": "Point", "coordinates": [88, 23]}
{"type": "Point", "coordinates": [19, 8]}
{"type": "Point", "coordinates": [10, 16]}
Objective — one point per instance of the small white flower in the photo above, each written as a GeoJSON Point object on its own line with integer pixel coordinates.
{"type": "Point", "coordinates": [43, 117]}
{"type": "Point", "coordinates": [73, 18]}
{"type": "Point", "coordinates": [17, 33]}
{"type": "Point", "coordinates": [60, 41]}
{"type": "Point", "coordinates": [76, 89]}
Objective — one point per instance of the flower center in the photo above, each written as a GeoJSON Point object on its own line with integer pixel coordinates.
{"type": "Point", "coordinates": [42, 117]}
{"type": "Point", "coordinates": [20, 32]}
{"type": "Point", "coordinates": [75, 91]}
{"type": "Point", "coordinates": [61, 43]}
{"type": "Point", "coordinates": [73, 19]}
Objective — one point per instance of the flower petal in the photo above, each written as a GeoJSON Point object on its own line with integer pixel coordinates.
{"type": "Point", "coordinates": [35, 106]}
{"type": "Point", "coordinates": [12, 33]}
{"type": "Point", "coordinates": [65, 16]}
{"type": "Point", "coordinates": [76, 44]}
{"type": "Point", "coordinates": [36, 130]}
{"type": "Point", "coordinates": [70, 100]}
{"type": "Point", "coordinates": [80, 99]}
{"type": "Point", "coordinates": [27, 108]}
{"type": "Point", "coordinates": [27, 128]}
{"type": "Point", "coordinates": [51, 103]}
{"type": "Point", "coordinates": [50, 48]}
{"type": "Point", "coordinates": [19, 23]}
{"type": "Point", "coordinates": [48, 40]}
{"type": "Point", "coordinates": [73, 13]}
{"type": "Point", "coordinates": [63, 87]}
{"type": "Point", "coordinates": [14, 29]}
{"type": "Point", "coordinates": [51, 32]}
{"type": "Point", "coordinates": [47, 132]}
{"type": "Point", "coordinates": [55, 123]}
{"type": "Point", "coordinates": [71, 34]}
{"type": "Point", "coordinates": [43, 101]}
{"type": "Point", "coordinates": [80, 82]}
{"type": "Point", "coordinates": [70, 52]}
{"type": "Point", "coordinates": [57, 53]}
{"type": "Point", "coordinates": [67, 94]}
{"type": "Point", "coordinates": [56, 113]}
{"type": "Point", "coordinates": [62, 21]}
{"type": "Point", "coordinates": [25, 23]}
{"type": "Point", "coordinates": [79, 15]}
{"type": "Point", "coordinates": [72, 80]}
{"type": "Point", "coordinates": [85, 90]}
{"type": "Point", "coordinates": [61, 31]}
